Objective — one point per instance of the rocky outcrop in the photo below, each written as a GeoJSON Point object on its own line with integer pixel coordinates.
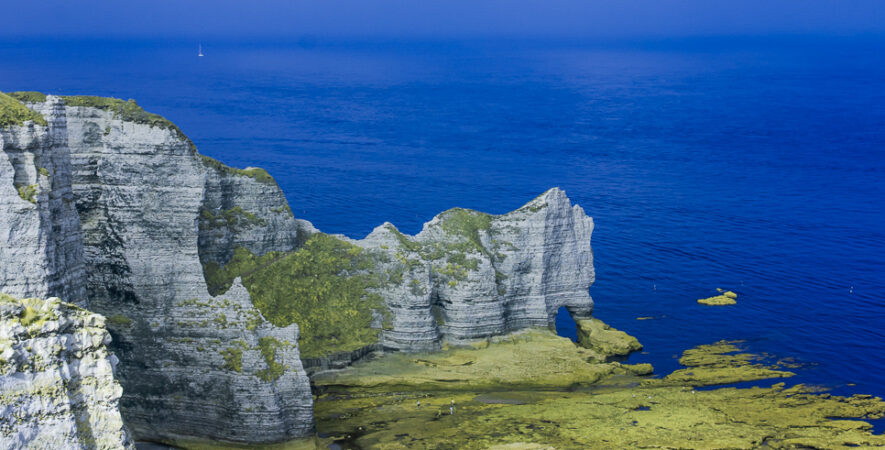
{"type": "Point", "coordinates": [215, 293]}
{"type": "Point", "coordinates": [41, 245]}
{"type": "Point", "coordinates": [469, 275]}
{"type": "Point", "coordinates": [151, 211]}
{"type": "Point", "coordinates": [57, 388]}
{"type": "Point", "coordinates": [596, 335]}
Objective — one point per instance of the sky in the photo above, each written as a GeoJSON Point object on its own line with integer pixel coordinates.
{"type": "Point", "coordinates": [439, 18]}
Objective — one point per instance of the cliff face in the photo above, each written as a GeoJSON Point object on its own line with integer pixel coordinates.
{"type": "Point", "coordinates": [215, 293]}
{"type": "Point", "coordinates": [41, 246]}
{"type": "Point", "coordinates": [468, 275]}
{"type": "Point", "coordinates": [150, 209]}
{"type": "Point", "coordinates": [57, 388]}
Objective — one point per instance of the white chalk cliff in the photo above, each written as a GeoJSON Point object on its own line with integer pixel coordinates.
{"type": "Point", "coordinates": [129, 221]}
{"type": "Point", "coordinates": [57, 387]}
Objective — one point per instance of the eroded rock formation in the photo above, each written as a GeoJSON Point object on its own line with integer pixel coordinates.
{"type": "Point", "coordinates": [145, 200]}
{"type": "Point", "coordinates": [57, 388]}
{"type": "Point", "coordinates": [41, 244]}
{"type": "Point", "coordinates": [215, 293]}
{"type": "Point", "coordinates": [468, 275]}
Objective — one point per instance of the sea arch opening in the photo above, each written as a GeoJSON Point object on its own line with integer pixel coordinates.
{"type": "Point", "coordinates": [565, 324]}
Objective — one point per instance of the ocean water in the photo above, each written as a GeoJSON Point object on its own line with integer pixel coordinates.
{"type": "Point", "coordinates": [755, 165]}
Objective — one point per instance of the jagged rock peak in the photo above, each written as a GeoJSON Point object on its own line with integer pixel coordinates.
{"type": "Point", "coordinates": [469, 275]}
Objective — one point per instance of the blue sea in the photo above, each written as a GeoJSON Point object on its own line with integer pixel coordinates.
{"type": "Point", "coordinates": [750, 164]}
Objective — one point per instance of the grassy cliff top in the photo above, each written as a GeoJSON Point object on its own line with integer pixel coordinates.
{"type": "Point", "coordinates": [13, 112]}
{"type": "Point", "coordinates": [127, 110]}
{"type": "Point", "coordinates": [28, 96]}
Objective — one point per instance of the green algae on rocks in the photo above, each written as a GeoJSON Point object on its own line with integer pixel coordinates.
{"type": "Point", "coordinates": [534, 357]}
{"type": "Point", "coordinates": [13, 112]}
{"type": "Point", "coordinates": [724, 298]}
{"type": "Point", "coordinates": [598, 336]}
{"type": "Point", "coordinates": [720, 363]}
{"type": "Point", "coordinates": [375, 404]}
{"type": "Point", "coordinates": [617, 417]}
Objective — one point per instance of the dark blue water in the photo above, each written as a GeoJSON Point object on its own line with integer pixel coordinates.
{"type": "Point", "coordinates": [756, 165]}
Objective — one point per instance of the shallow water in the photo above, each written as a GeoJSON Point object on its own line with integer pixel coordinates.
{"type": "Point", "coordinates": [751, 165]}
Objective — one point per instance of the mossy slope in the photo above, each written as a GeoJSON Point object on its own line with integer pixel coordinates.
{"type": "Point", "coordinates": [13, 112]}
{"type": "Point", "coordinates": [325, 287]}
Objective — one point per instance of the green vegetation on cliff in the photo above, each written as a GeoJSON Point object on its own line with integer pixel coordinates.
{"type": "Point", "coordinates": [466, 223]}
{"type": "Point", "coordinates": [29, 96]}
{"type": "Point", "coordinates": [325, 287]}
{"type": "Point", "coordinates": [256, 173]}
{"type": "Point", "coordinates": [13, 112]}
{"type": "Point", "coordinates": [268, 347]}
{"type": "Point", "coordinates": [243, 263]}
{"type": "Point", "coordinates": [235, 218]}
{"type": "Point", "coordinates": [127, 110]}
{"type": "Point", "coordinates": [455, 255]}
{"type": "Point", "coordinates": [28, 192]}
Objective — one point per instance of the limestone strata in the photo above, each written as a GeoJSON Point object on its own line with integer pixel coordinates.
{"type": "Point", "coordinates": [57, 387]}
{"type": "Point", "coordinates": [192, 363]}
{"type": "Point", "coordinates": [469, 275]}
{"type": "Point", "coordinates": [150, 211]}
{"type": "Point", "coordinates": [41, 245]}
{"type": "Point", "coordinates": [154, 220]}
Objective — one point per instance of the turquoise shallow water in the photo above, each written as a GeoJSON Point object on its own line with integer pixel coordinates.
{"type": "Point", "coordinates": [747, 164]}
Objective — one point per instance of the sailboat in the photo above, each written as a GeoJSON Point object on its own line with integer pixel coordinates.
{"type": "Point", "coordinates": [201, 50]}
